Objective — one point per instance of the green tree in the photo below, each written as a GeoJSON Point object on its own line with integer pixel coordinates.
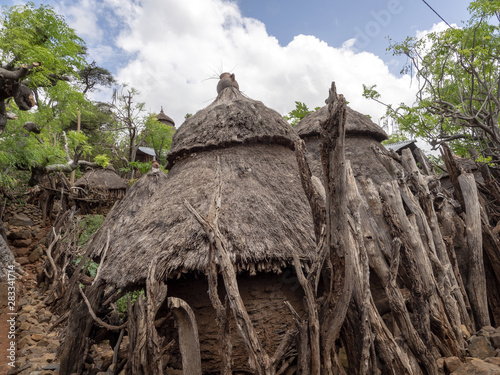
{"type": "Point", "coordinates": [93, 76]}
{"type": "Point", "coordinates": [40, 56]}
{"type": "Point", "coordinates": [158, 136]}
{"type": "Point", "coordinates": [38, 50]}
{"type": "Point", "coordinates": [458, 99]}
{"type": "Point", "coordinates": [297, 114]}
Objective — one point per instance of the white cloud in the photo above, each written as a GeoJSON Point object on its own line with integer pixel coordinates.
{"type": "Point", "coordinates": [436, 28]}
{"type": "Point", "coordinates": [177, 46]}
{"type": "Point", "coordinates": [82, 17]}
{"type": "Point", "coordinates": [169, 50]}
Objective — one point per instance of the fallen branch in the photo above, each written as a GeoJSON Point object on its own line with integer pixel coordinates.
{"type": "Point", "coordinates": [98, 321]}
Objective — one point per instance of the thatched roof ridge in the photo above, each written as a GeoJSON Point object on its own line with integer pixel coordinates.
{"type": "Point", "coordinates": [102, 178]}
{"type": "Point", "coordinates": [162, 117]}
{"type": "Point", "coordinates": [356, 124]}
{"type": "Point", "coordinates": [230, 120]}
{"type": "Point", "coordinates": [264, 216]}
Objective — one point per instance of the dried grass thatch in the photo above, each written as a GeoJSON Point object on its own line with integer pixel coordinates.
{"type": "Point", "coordinates": [362, 144]}
{"type": "Point", "coordinates": [232, 119]}
{"type": "Point", "coordinates": [265, 216]}
{"type": "Point", "coordinates": [102, 179]}
{"type": "Point", "coordinates": [357, 124]}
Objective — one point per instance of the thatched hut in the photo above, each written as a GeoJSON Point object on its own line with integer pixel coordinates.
{"type": "Point", "coordinates": [104, 182]}
{"type": "Point", "coordinates": [264, 217]}
{"type": "Point", "coordinates": [145, 154]}
{"type": "Point", "coordinates": [163, 118]}
{"type": "Point", "coordinates": [362, 143]}
{"type": "Point", "coordinates": [98, 190]}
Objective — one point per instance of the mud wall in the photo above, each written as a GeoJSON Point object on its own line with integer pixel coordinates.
{"type": "Point", "coordinates": [263, 296]}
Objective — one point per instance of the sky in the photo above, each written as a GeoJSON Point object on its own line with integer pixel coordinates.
{"type": "Point", "coordinates": [173, 51]}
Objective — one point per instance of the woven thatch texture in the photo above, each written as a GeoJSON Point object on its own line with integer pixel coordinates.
{"type": "Point", "coordinates": [362, 135]}
{"type": "Point", "coordinates": [265, 216]}
{"type": "Point", "coordinates": [230, 120]}
{"type": "Point", "coordinates": [102, 179]}
{"type": "Point", "coordinates": [359, 151]}
{"type": "Point", "coordinates": [356, 124]}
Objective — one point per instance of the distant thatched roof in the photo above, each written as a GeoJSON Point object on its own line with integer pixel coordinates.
{"type": "Point", "coordinates": [102, 179]}
{"type": "Point", "coordinates": [230, 120]}
{"type": "Point", "coordinates": [363, 138]}
{"type": "Point", "coordinates": [162, 117]}
{"type": "Point", "coordinates": [356, 124]}
{"type": "Point", "coordinates": [264, 216]}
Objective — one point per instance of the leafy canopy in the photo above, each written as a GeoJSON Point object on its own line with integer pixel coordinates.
{"type": "Point", "coordinates": [297, 114]}
{"type": "Point", "coordinates": [158, 137]}
{"type": "Point", "coordinates": [29, 34]}
{"type": "Point", "coordinates": [458, 75]}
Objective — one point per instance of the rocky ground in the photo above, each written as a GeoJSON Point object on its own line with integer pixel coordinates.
{"type": "Point", "coordinates": [38, 334]}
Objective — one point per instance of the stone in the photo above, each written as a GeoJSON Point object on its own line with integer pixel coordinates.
{"type": "Point", "coordinates": [480, 347]}
{"type": "Point", "coordinates": [495, 339]}
{"type": "Point", "coordinates": [25, 342]}
{"type": "Point", "coordinates": [21, 234]}
{"type": "Point", "coordinates": [21, 243]}
{"type": "Point", "coordinates": [486, 331]}
{"type": "Point", "coordinates": [25, 326]}
{"type": "Point", "coordinates": [51, 367]}
{"type": "Point", "coordinates": [43, 342]}
{"type": "Point", "coordinates": [452, 363]}
{"type": "Point", "coordinates": [440, 366]}
{"type": "Point", "coordinates": [37, 232]}
{"type": "Point", "coordinates": [37, 337]}
{"type": "Point", "coordinates": [36, 254]}
{"type": "Point", "coordinates": [23, 260]}
{"type": "Point", "coordinates": [22, 251]}
{"type": "Point", "coordinates": [20, 220]}
{"type": "Point", "coordinates": [49, 357]}
{"type": "Point", "coordinates": [477, 367]}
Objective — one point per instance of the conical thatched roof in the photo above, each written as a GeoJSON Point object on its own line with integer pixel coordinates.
{"type": "Point", "coordinates": [362, 143]}
{"type": "Point", "coordinates": [162, 117]}
{"type": "Point", "coordinates": [102, 179]}
{"type": "Point", "coordinates": [232, 119]}
{"type": "Point", "coordinates": [357, 124]}
{"type": "Point", "coordinates": [264, 216]}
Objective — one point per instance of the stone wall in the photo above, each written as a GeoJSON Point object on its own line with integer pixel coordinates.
{"type": "Point", "coordinates": [26, 232]}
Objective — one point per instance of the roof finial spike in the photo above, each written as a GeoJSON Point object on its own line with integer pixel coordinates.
{"type": "Point", "coordinates": [227, 80]}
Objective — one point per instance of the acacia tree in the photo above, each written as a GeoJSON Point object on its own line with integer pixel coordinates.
{"type": "Point", "coordinates": [38, 50]}
{"type": "Point", "coordinates": [40, 58]}
{"type": "Point", "coordinates": [458, 99]}
{"type": "Point", "coordinates": [93, 76]}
